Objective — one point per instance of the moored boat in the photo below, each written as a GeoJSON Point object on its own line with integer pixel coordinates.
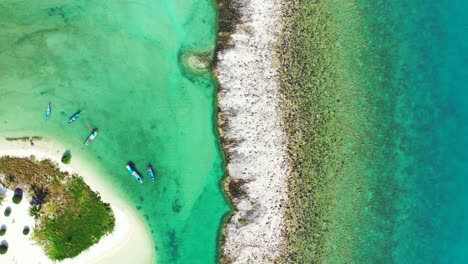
{"type": "Point", "coordinates": [48, 111]}
{"type": "Point", "coordinates": [150, 172]}
{"type": "Point", "coordinates": [90, 138]}
{"type": "Point", "coordinates": [134, 174]}
{"type": "Point", "coordinates": [74, 117]}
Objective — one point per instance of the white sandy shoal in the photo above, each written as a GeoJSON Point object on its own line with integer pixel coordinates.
{"type": "Point", "coordinates": [130, 242]}
{"type": "Point", "coordinates": [249, 100]}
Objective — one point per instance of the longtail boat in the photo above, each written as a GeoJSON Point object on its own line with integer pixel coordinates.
{"type": "Point", "coordinates": [47, 114]}
{"type": "Point", "coordinates": [150, 172]}
{"type": "Point", "coordinates": [134, 174]}
{"type": "Point", "coordinates": [90, 138]}
{"type": "Point", "coordinates": [74, 117]}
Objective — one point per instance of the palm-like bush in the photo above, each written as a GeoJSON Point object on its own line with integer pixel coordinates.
{"type": "Point", "coordinates": [39, 196]}
{"type": "Point", "coordinates": [7, 211]}
{"type": "Point", "coordinates": [3, 230]}
{"type": "Point", "coordinates": [3, 247]}
{"type": "Point", "coordinates": [66, 157]}
{"type": "Point", "coordinates": [26, 230]}
{"type": "Point", "coordinates": [18, 196]}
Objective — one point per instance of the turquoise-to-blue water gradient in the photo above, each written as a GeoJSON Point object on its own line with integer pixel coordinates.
{"type": "Point", "coordinates": [423, 47]}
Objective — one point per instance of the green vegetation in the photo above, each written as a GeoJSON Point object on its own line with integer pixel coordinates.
{"type": "Point", "coordinates": [7, 211]}
{"type": "Point", "coordinates": [76, 229]}
{"type": "Point", "coordinates": [308, 111]}
{"type": "Point", "coordinates": [34, 211]}
{"type": "Point", "coordinates": [228, 18]}
{"type": "Point", "coordinates": [3, 230]}
{"type": "Point", "coordinates": [17, 196]}
{"type": "Point", "coordinates": [17, 199]}
{"type": "Point", "coordinates": [24, 139]}
{"type": "Point", "coordinates": [66, 157]}
{"type": "Point", "coordinates": [71, 217]}
{"type": "Point", "coordinates": [243, 221]}
{"type": "Point", "coordinates": [26, 230]}
{"type": "Point", "coordinates": [325, 82]}
{"type": "Point", "coordinates": [3, 247]}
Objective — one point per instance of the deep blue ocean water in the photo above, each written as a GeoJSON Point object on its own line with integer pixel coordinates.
{"type": "Point", "coordinates": [422, 47]}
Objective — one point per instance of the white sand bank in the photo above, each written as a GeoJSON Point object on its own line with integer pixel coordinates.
{"type": "Point", "coordinates": [130, 242]}
{"type": "Point", "coordinates": [249, 100]}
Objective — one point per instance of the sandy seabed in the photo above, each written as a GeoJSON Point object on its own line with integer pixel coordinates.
{"type": "Point", "coordinates": [130, 242]}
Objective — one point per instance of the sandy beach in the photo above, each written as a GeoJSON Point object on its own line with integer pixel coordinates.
{"type": "Point", "coordinates": [130, 242]}
{"type": "Point", "coordinates": [254, 141]}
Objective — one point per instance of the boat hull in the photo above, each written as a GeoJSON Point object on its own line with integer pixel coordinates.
{"type": "Point", "coordinates": [48, 111]}
{"type": "Point", "coordinates": [74, 117]}
{"type": "Point", "coordinates": [134, 173]}
{"type": "Point", "coordinates": [151, 173]}
{"type": "Point", "coordinates": [91, 137]}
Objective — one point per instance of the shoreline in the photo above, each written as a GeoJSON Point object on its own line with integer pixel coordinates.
{"type": "Point", "coordinates": [253, 139]}
{"type": "Point", "coordinates": [129, 233]}
{"type": "Point", "coordinates": [351, 144]}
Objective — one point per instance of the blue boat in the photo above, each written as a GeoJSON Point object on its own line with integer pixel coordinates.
{"type": "Point", "coordinates": [47, 114]}
{"type": "Point", "coordinates": [134, 174]}
{"type": "Point", "coordinates": [150, 172]}
{"type": "Point", "coordinates": [74, 117]}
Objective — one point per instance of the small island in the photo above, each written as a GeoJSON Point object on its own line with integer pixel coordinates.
{"type": "Point", "coordinates": [69, 216]}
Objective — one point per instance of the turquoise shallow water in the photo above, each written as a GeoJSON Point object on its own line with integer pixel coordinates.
{"type": "Point", "coordinates": [119, 62]}
{"type": "Point", "coordinates": [418, 210]}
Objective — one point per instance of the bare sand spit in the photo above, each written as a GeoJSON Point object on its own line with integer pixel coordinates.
{"type": "Point", "coordinates": [254, 141]}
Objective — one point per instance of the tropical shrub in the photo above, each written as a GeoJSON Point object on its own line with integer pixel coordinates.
{"type": "Point", "coordinates": [66, 157]}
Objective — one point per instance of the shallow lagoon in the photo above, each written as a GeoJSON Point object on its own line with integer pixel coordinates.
{"type": "Point", "coordinates": [119, 63]}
